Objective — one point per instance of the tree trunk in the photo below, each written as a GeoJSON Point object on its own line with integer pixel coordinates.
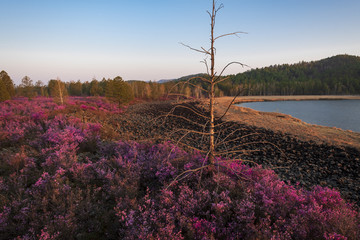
{"type": "Point", "coordinates": [60, 92]}
{"type": "Point", "coordinates": [212, 90]}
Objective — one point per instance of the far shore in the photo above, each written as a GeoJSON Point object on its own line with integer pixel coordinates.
{"type": "Point", "coordinates": [242, 99]}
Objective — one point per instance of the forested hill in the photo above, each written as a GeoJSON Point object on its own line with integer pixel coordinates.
{"type": "Point", "coordinates": [335, 75]}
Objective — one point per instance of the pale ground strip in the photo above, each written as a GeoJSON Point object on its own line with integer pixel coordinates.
{"type": "Point", "coordinates": [287, 124]}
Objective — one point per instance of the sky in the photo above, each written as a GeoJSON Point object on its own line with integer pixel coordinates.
{"type": "Point", "coordinates": [140, 40]}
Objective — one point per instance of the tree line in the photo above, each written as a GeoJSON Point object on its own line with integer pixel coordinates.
{"type": "Point", "coordinates": [338, 75]}
{"type": "Point", "coordinates": [116, 89]}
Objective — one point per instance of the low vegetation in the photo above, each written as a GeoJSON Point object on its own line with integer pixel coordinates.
{"type": "Point", "coordinates": [62, 177]}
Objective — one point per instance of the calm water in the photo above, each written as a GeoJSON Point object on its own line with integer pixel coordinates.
{"type": "Point", "coordinates": [343, 114]}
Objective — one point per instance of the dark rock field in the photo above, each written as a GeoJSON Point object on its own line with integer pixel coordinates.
{"type": "Point", "coordinates": [295, 161]}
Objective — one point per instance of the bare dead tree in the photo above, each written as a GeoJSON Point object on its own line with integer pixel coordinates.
{"type": "Point", "coordinates": [213, 78]}
{"type": "Point", "coordinates": [218, 140]}
{"type": "Point", "coordinates": [61, 95]}
{"type": "Point", "coordinates": [57, 90]}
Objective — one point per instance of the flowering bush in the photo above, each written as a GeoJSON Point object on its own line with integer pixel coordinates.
{"type": "Point", "coordinates": [60, 180]}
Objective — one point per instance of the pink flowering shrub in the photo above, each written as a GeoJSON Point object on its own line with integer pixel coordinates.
{"type": "Point", "coordinates": [60, 180]}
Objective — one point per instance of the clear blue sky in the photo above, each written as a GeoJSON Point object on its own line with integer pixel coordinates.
{"type": "Point", "coordinates": [138, 39]}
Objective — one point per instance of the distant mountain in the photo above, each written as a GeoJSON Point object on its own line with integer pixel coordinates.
{"type": "Point", "coordinates": [165, 80]}
{"type": "Point", "coordinates": [184, 78]}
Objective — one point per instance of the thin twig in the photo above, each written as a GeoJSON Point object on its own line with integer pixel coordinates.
{"type": "Point", "coordinates": [188, 131]}
{"type": "Point", "coordinates": [207, 66]}
{"type": "Point", "coordinates": [179, 116]}
{"type": "Point", "coordinates": [231, 103]}
{"type": "Point", "coordinates": [236, 151]}
{"type": "Point", "coordinates": [229, 64]}
{"type": "Point", "coordinates": [240, 160]}
{"type": "Point", "coordinates": [236, 174]}
{"type": "Point", "coordinates": [194, 49]}
{"type": "Point", "coordinates": [187, 171]}
{"type": "Point", "coordinates": [223, 142]}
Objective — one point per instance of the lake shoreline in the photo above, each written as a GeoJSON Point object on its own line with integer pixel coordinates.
{"type": "Point", "coordinates": [288, 124]}
{"type": "Point", "coordinates": [245, 99]}
{"type": "Point", "coordinates": [344, 114]}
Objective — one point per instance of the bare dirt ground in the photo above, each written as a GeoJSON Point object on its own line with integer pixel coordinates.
{"type": "Point", "coordinates": [287, 124]}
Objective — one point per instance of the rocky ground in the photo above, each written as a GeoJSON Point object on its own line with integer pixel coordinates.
{"type": "Point", "coordinates": [296, 159]}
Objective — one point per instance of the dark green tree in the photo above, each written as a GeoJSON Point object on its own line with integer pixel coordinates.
{"type": "Point", "coordinates": [9, 85]}
{"type": "Point", "coordinates": [119, 91]}
{"type": "Point", "coordinates": [75, 88]}
{"type": "Point", "coordinates": [27, 88]}
{"type": "Point", "coordinates": [4, 94]}
{"type": "Point", "coordinates": [95, 88]}
{"type": "Point", "coordinates": [85, 88]}
{"type": "Point", "coordinates": [40, 89]}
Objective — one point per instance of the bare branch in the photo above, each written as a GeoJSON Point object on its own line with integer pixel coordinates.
{"type": "Point", "coordinates": [218, 9]}
{"type": "Point", "coordinates": [199, 87]}
{"type": "Point", "coordinates": [181, 117]}
{"type": "Point", "coordinates": [206, 51]}
{"type": "Point", "coordinates": [190, 79]}
{"type": "Point", "coordinates": [186, 145]}
{"type": "Point", "coordinates": [235, 173]}
{"type": "Point", "coordinates": [185, 172]}
{"type": "Point", "coordinates": [231, 103]}
{"type": "Point", "coordinates": [194, 78]}
{"type": "Point", "coordinates": [261, 142]}
{"type": "Point", "coordinates": [238, 138]}
{"type": "Point", "coordinates": [240, 160]}
{"type": "Point", "coordinates": [209, 14]}
{"type": "Point", "coordinates": [229, 64]}
{"type": "Point", "coordinates": [217, 125]}
{"type": "Point", "coordinates": [277, 147]}
{"type": "Point", "coordinates": [229, 34]}
{"type": "Point", "coordinates": [246, 144]}
{"type": "Point", "coordinates": [223, 79]}
{"type": "Point", "coordinates": [179, 94]}
{"type": "Point", "coordinates": [189, 131]}
{"type": "Point", "coordinates": [206, 65]}
{"type": "Point", "coordinates": [185, 83]}
{"type": "Point", "coordinates": [204, 79]}
{"type": "Point", "coordinates": [223, 142]}
{"type": "Point", "coordinates": [236, 151]}
{"type": "Point", "coordinates": [194, 49]}
{"type": "Point", "coordinates": [192, 110]}
{"type": "Point", "coordinates": [203, 164]}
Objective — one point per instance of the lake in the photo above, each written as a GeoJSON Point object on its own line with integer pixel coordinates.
{"type": "Point", "coordinates": [343, 114]}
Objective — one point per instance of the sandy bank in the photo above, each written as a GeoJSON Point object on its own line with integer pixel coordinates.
{"type": "Point", "coordinates": [288, 98]}
{"type": "Point", "coordinates": [285, 123]}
